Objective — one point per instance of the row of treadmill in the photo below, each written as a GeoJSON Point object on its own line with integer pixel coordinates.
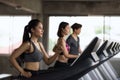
{"type": "Point", "coordinates": [93, 64]}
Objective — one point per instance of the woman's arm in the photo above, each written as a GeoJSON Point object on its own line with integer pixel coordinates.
{"type": "Point", "coordinates": [65, 51]}
{"type": "Point", "coordinates": [48, 60]}
{"type": "Point", "coordinates": [15, 54]}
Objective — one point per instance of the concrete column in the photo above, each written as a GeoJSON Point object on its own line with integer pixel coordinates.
{"type": "Point", "coordinates": [37, 16]}
{"type": "Point", "coordinates": [45, 39]}
{"type": "Point", "coordinates": [45, 20]}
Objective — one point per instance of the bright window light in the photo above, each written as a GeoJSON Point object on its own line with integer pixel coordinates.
{"type": "Point", "coordinates": [11, 32]}
{"type": "Point", "coordinates": [104, 27]}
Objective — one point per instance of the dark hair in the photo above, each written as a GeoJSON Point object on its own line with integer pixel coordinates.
{"type": "Point", "coordinates": [26, 37]}
{"type": "Point", "coordinates": [27, 30]}
{"type": "Point", "coordinates": [76, 26]}
{"type": "Point", "coordinates": [62, 26]}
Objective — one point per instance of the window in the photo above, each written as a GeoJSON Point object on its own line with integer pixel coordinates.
{"type": "Point", "coordinates": [105, 27]}
{"type": "Point", "coordinates": [11, 32]}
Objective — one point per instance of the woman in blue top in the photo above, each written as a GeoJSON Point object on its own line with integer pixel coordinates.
{"type": "Point", "coordinates": [63, 31]}
{"type": "Point", "coordinates": [73, 41]}
{"type": "Point", "coordinates": [32, 50]}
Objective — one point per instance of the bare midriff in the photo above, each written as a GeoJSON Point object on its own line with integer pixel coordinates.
{"type": "Point", "coordinates": [63, 59]}
{"type": "Point", "coordinates": [32, 66]}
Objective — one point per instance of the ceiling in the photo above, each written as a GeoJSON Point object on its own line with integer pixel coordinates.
{"type": "Point", "coordinates": [60, 7]}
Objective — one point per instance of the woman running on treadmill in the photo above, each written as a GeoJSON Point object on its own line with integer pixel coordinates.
{"type": "Point", "coordinates": [32, 51]}
{"type": "Point", "coordinates": [63, 31]}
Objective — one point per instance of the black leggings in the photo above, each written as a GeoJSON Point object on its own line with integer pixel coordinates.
{"type": "Point", "coordinates": [70, 61]}
{"type": "Point", "coordinates": [59, 64]}
{"type": "Point", "coordinates": [34, 73]}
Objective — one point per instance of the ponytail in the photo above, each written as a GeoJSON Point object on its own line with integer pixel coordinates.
{"type": "Point", "coordinates": [26, 36]}
{"type": "Point", "coordinates": [27, 30]}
